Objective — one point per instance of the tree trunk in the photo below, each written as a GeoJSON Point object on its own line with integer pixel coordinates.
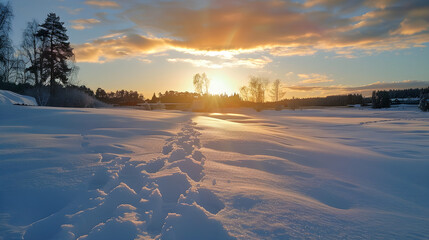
{"type": "Point", "coordinates": [36, 71]}
{"type": "Point", "coordinates": [52, 80]}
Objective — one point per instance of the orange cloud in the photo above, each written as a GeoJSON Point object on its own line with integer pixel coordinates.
{"type": "Point", "coordinates": [225, 25]}
{"type": "Point", "coordinates": [81, 24]}
{"type": "Point", "coordinates": [248, 63]}
{"type": "Point", "coordinates": [226, 29]}
{"type": "Point", "coordinates": [102, 3]}
{"type": "Point", "coordinates": [234, 62]}
{"type": "Point", "coordinates": [293, 51]}
{"type": "Point", "coordinates": [120, 45]}
{"type": "Point", "coordinates": [282, 27]}
{"type": "Point", "coordinates": [313, 78]}
{"type": "Point", "coordinates": [411, 27]}
{"type": "Point", "coordinates": [106, 49]}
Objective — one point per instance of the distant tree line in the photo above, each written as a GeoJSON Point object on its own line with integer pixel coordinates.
{"type": "Point", "coordinates": [405, 93]}
{"type": "Point", "coordinates": [337, 100]}
{"type": "Point", "coordinates": [177, 97]}
{"type": "Point", "coordinates": [210, 103]}
{"type": "Point", "coordinates": [386, 98]}
{"type": "Point", "coordinates": [121, 97]}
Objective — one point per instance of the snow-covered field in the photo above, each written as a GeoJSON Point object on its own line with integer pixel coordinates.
{"type": "Point", "coordinates": [333, 173]}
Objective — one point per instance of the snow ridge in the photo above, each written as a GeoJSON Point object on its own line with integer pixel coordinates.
{"type": "Point", "coordinates": [160, 199]}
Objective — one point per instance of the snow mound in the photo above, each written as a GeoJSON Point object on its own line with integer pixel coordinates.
{"type": "Point", "coordinates": [11, 98]}
{"type": "Point", "coordinates": [191, 222]}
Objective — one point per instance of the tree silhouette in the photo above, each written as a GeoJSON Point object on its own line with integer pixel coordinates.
{"type": "Point", "coordinates": [257, 87]}
{"type": "Point", "coordinates": [255, 91]}
{"type": "Point", "coordinates": [380, 99]}
{"type": "Point", "coordinates": [424, 99]}
{"type": "Point", "coordinates": [276, 92]}
{"type": "Point", "coordinates": [206, 83]}
{"type": "Point", "coordinates": [5, 44]}
{"type": "Point", "coordinates": [201, 83]}
{"type": "Point", "coordinates": [154, 98]}
{"type": "Point", "coordinates": [100, 93]}
{"type": "Point", "coordinates": [198, 85]}
{"type": "Point", "coordinates": [56, 50]}
{"type": "Point", "coordinates": [244, 93]}
{"type": "Point", "coordinates": [31, 48]}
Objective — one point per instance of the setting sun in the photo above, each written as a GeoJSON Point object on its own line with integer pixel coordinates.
{"type": "Point", "coordinates": [219, 86]}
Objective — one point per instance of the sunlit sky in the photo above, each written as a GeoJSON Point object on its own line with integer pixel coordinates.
{"type": "Point", "coordinates": [315, 47]}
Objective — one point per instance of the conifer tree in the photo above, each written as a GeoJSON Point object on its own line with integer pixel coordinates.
{"type": "Point", "coordinates": [56, 50]}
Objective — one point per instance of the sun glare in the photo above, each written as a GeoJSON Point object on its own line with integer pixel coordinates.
{"type": "Point", "coordinates": [219, 86]}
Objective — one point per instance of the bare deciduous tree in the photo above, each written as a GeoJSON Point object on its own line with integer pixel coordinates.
{"type": "Point", "coordinates": [6, 48]}
{"type": "Point", "coordinates": [31, 46]}
{"type": "Point", "coordinates": [206, 83]}
{"type": "Point", "coordinates": [201, 83]}
{"type": "Point", "coordinates": [257, 88]}
{"type": "Point", "coordinates": [276, 92]}
{"type": "Point", "coordinates": [244, 93]}
{"type": "Point", "coordinates": [198, 84]}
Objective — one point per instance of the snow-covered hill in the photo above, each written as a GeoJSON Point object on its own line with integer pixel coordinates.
{"type": "Point", "coordinates": [8, 97]}
{"type": "Point", "coordinates": [334, 173]}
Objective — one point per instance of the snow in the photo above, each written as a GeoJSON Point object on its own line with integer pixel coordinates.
{"type": "Point", "coordinates": [11, 98]}
{"type": "Point", "coordinates": [128, 174]}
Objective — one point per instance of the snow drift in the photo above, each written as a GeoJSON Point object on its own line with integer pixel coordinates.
{"type": "Point", "coordinates": [11, 98]}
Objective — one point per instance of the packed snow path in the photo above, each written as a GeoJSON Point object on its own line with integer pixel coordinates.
{"type": "Point", "coordinates": [128, 199]}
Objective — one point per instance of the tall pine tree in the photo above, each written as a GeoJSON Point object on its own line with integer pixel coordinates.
{"type": "Point", "coordinates": [56, 51]}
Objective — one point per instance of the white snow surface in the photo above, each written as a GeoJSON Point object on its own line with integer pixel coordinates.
{"type": "Point", "coordinates": [330, 173]}
{"type": "Point", "coordinates": [11, 98]}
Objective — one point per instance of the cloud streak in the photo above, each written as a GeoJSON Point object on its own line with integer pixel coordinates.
{"type": "Point", "coordinates": [102, 3]}
{"type": "Point", "coordinates": [234, 62]}
{"type": "Point", "coordinates": [81, 24]}
{"type": "Point", "coordinates": [313, 78]}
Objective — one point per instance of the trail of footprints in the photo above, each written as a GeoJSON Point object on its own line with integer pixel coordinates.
{"type": "Point", "coordinates": [132, 200]}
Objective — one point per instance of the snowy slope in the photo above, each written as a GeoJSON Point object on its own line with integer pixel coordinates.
{"type": "Point", "coordinates": [128, 174]}
{"type": "Point", "coordinates": [8, 97]}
